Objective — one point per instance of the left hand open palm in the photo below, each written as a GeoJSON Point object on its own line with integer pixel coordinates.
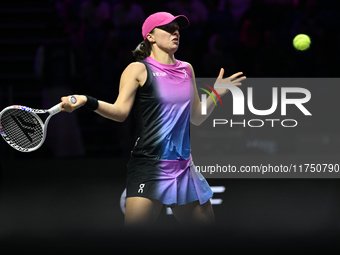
{"type": "Point", "coordinates": [234, 79]}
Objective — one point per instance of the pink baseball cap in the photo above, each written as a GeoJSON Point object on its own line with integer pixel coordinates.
{"type": "Point", "coordinates": [162, 18]}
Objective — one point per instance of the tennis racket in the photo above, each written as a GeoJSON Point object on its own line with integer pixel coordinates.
{"type": "Point", "coordinates": [23, 129]}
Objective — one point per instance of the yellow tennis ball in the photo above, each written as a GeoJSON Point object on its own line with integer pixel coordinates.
{"type": "Point", "coordinates": [301, 42]}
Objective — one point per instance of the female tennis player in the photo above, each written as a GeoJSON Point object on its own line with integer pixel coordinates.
{"type": "Point", "coordinates": [160, 170]}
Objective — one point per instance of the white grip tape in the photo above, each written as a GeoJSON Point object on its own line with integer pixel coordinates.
{"type": "Point", "coordinates": [55, 109]}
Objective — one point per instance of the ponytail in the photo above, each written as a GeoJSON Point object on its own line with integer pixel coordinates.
{"type": "Point", "coordinates": [143, 50]}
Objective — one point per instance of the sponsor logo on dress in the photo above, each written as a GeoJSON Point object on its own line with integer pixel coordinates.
{"type": "Point", "coordinates": [159, 74]}
{"type": "Point", "coordinates": [185, 73]}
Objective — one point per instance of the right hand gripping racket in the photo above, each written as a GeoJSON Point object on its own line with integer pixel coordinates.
{"type": "Point", "coordinates": [23, 129]}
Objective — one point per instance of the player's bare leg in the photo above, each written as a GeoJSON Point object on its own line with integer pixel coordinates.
{"type": "Point", "coordinates": [141, 212]}
{"type": "Point", "coordinates": [194, 214]}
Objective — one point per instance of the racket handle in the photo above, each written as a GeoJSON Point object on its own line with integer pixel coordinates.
{"type": "Point", "coordinates": [55, 109]}
{"type": "Point", "coordinates": [72, 99]}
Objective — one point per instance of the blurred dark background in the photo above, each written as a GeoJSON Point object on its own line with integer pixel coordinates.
{"type": "Point", "coordinates": [70, 189]}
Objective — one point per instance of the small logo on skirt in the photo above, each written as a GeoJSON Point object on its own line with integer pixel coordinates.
{"type": "Point", "coordinates": [141, 187]}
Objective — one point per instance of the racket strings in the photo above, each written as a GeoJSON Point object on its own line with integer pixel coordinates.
{"type": "Point", "coordinates": [22, 127]}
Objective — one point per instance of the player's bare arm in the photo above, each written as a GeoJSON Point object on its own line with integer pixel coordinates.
{"type": "Point", "coordinates": [132, 77]}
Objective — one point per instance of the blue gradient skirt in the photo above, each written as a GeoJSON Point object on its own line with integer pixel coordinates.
{"type": "Point", "coordinates": [172, 182]}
